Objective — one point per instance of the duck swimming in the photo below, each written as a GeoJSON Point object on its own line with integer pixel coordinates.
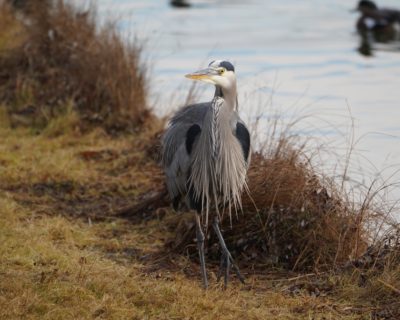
{"type": "Point", "coordinates": [179, 3]}
{"type": "Point", "coordinates": [376, 19]}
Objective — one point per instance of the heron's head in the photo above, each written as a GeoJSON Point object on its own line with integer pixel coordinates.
{"type": "Point", "coordinates": [366, 6]}
{"type": "Point", "coordinates": [219, 73]}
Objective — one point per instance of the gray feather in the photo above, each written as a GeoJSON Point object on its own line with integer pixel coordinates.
{"type": "Point", "coordinates": [175, 159]}
{"type": "Point", "coordinates": [217, 167]}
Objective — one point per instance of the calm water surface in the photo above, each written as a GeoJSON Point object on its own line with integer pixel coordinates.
{"type": "Point", "coordinates": [292, 57]}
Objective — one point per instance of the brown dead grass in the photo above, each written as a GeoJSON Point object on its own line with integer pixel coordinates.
{"type": "Point", "coordinates": [57, 264]}
{"type": "Point", "coordinates": [66, 173]}
{"type": "Point", "coordinates": [60, 57]}
{"type": "Point", "coordinates": [375, 277]}
{"type": "Point", "coordinates": [66, 254]}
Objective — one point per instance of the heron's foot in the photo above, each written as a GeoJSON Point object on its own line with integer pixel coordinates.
{"type": "Point", "coordinates": [200, 246]}
{"type": "Point", "coordinates": [227, 263]}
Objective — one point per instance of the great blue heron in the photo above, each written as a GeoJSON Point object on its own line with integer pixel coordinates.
{"type": "Point", "coordinates": [206, 154]}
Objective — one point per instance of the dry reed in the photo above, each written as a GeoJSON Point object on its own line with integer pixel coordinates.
{"type": "Point", "coordinates": [64, 58]}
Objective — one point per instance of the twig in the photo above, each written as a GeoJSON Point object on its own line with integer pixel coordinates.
{"type": "Point", "coordinates": [294, 278]}
{"type": "Point", "coordinates": [389, 286]}
{"type": "Point", "coordinates": [154, 200]}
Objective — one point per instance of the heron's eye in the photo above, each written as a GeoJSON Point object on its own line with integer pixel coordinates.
{"type": "Point", "coordinates": [221, 70]}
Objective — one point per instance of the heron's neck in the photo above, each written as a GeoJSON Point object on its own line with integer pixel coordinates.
{"type": "Point", "coordinates": [230, 97]}
{"type": "Point", "coordinates": [220, 124]}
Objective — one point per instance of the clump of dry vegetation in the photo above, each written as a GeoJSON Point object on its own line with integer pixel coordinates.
{"type": "Point", "coordinates": [374, 278]}
{"type": "Point", "coordinates": [291, 218]}
{"type": "Point", "coordinates": [60, 57]}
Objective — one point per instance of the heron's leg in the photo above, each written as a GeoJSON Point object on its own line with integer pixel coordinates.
{"type": "Point", "coordinates": [226, 258]}
{"type": "Point", "coordinates": [200, 246]}
{"type": "Point", "coordinates": [221, 267]}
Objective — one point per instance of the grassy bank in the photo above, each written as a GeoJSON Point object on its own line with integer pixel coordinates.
{"type": "Point", "coordinates": [65, 253]}
{"type": "Point", "coordinates": [86, 230]}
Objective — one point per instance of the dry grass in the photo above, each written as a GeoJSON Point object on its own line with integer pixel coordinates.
{"type": "Point", "coordinates": [52, 270]}
{"type": "Point", "coordinates": [11, 30]}
{"type": "Point", "coordinates": [375, 277]}
{"type": "Point", "coordinates": [60, 261]}
{"type": "Point", "coordinates": [66, 254]}
{"type": "Point", "coordinates": [60, 57]}
{"type": "Point", "coordinates": [59, 169]}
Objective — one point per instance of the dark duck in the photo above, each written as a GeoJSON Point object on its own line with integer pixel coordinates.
{"type": "Point", "coordinates": [376, 19]}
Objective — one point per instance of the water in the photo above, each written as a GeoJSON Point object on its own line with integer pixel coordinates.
{"type": "Point", "coordinates": [300, 55]}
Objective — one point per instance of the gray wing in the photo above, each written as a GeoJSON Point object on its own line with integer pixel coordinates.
{"type": "Point", "coordinates": [243, 135]}
{"type": "Point", "coordinates": [181, 134]}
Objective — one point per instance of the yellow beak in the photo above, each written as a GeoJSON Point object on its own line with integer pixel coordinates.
{"type": "Point", "coordinates": [203, 75]}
